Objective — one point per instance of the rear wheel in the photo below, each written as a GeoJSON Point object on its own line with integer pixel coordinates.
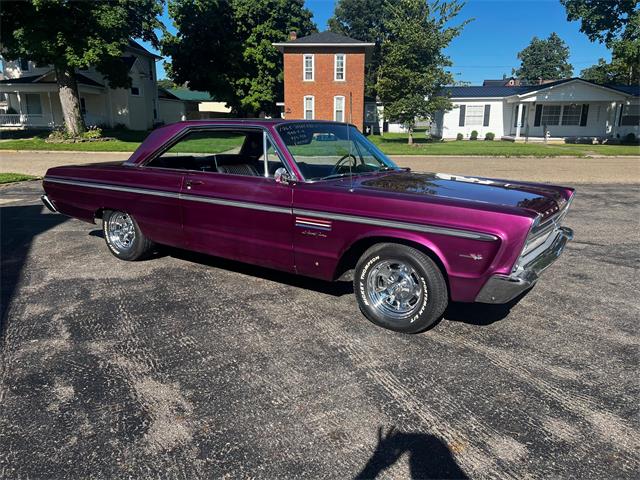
{"type": "Point", "coordinates": [124, 237]}
{"type": "Point", "coordinates": [400, 288]}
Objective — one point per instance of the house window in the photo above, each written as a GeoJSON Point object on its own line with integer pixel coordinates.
{"type": "Point", "coordinates": [83, 106]}
{"type": "Point", "coordinates": [338, 109]}
{"type": "Point", "coordinates": [308, 108]}
{"type": "Point", "coordinates": [136, 91]}
{"type": "Point", "coordinates": [24, 64]}
{"type": "Point", "coordinates": [307, 73]}
{"type": "Point", "coordinates": [34, 106]}
{"type": "Point", "coordinates": [474, 115]}
{"type": "Point", "coordinates": [550, 114]}
{"type": "Point", "coordinates": [630, 115]}
{"type": "Point", "coordinates": [571, 114]}
{"type": "Point", "coordinates": [339, 67]}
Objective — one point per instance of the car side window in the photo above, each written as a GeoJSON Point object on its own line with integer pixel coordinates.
{"type": "Point", "coordinates": [274, 161]}
{"type": "Point", "coordinates": [232, 151]}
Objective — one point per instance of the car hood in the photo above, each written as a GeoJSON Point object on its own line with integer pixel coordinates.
{"type": "Point", "coordinates": [542, 199]}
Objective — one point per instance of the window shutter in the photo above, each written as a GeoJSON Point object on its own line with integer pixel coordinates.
{"type": "Point", "coordinates": [584, 115]}
{"type": "Point", "coordinates": [463, 111]}
{"type": "Point", "coordinates": [487, 113]}
{"type": "Point", "coordinates": [538, 119]}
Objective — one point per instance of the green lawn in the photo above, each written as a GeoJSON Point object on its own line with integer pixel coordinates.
{"type": "Point", "coordinates": [396, 144]}
{"type": "Point", "coordinates": [15, 177]}
{"type": "Point", "coordinates": [390, 143]}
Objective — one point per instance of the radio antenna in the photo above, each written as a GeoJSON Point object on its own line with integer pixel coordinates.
{"type": "Point", "coordinates": [351, 157]}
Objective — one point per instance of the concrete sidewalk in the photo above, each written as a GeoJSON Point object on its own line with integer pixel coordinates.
{"type": "Point", "coordinates": [549, 169]}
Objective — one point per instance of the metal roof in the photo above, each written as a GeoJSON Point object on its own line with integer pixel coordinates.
{"type": "Point", "coordinates": [324, 39]}
{"type": "Point", "coordinates": [37, 79]}
{"type": "Point", "coordinates": [187, 95]}
{"type": "Point", "coordinates": [490, 91]}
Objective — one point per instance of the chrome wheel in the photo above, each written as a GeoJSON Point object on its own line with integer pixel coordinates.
{"type": "Point", "coordinates": [121, 231]}
{"type": "Point", "coordinates": [394, 288]}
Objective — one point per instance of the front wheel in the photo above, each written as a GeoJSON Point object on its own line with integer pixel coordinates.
{"type": "Point", "coordinates": [400, 288]}
{"type": "Point", "coordinates": [124, 237]}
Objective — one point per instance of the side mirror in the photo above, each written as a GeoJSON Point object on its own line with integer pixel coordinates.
{"type": "Point", "coordinates": [282, 176]}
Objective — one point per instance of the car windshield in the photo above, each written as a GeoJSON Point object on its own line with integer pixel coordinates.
{"type": "Point", "coordinates": [331, 150]}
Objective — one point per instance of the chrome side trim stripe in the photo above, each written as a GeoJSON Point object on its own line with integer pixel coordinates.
{"type": "Point", "coordinates": [182, 196]}
{"type": "Point", "coordinates": [415, 227]}
{"type": "Point", "coordinates": [400, 225]}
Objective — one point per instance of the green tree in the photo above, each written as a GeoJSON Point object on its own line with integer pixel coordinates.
{"type": "Point", "coordinates": [413, 65]}
{"type": "Point", "coordinates": [616, 23]}
{"type": "Point", "coordinates": [362, 20]}
{"type": "Point", "coordinates": [225, 48]}
{"type": "Point", "coordinates": [601, 20]}
{"type": "Point", "coordinates": [206, 50]}
{"type": "Point", "coordinates": [166, 83]}
{"type": "Point", "coordinates": [75, 35]}
{"type": "Point", "coordinates": [259, 23]}
{"type": "Point", "coordinates": [546, 59]}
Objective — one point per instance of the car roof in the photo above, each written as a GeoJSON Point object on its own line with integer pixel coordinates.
{"type": "Point", "coordinates": [248, 122]}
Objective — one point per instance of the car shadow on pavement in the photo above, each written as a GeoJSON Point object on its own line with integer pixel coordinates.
{"type": "Point", "coordinates": [19, 225]}
{"type": "Point", "coordinates": [336, 289]}
{"type": "Point", "coordinates": [429, 457]}
{"type": "Point", "coordinates": [481, 314]}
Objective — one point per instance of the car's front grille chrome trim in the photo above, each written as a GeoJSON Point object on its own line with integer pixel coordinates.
{"type": "Point", "coordinates": [415, 227]}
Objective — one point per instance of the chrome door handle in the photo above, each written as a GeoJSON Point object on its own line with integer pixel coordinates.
{"type": "Point", "coordinates": [190, 183]}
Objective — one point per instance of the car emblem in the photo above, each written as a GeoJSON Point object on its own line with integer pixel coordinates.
{"type": "Point", "coordinates": [473, 256]}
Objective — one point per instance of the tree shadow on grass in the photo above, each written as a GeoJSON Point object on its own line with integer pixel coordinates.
{"type": "Point", "coordinates": [19, 225]}
{"type": "Point", "coordinates": [429, 457]}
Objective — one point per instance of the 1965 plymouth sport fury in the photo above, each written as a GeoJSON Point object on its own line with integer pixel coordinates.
{"type": "Point", "coordinates": [318, 199]}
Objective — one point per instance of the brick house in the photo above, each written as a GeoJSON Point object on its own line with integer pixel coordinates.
{"type": "Point", "coordinates": [324, 77]}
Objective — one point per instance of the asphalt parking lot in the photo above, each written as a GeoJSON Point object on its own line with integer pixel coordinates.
{"type": "Point", "coordinates": [186, 366]}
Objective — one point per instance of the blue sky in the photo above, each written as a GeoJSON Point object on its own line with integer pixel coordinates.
{"type": "Point", "coordinates": [488, 46]}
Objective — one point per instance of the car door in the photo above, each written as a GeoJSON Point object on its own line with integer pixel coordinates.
{"type": "Point", "coordinates": [232, 209]}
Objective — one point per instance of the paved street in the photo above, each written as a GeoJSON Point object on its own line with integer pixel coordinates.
{"type": "Point", "coordinates": [186, 366]}
{"type": "Point", "coordinates": [551, 169]}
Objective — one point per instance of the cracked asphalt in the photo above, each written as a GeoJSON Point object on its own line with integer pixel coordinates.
{"type": "Point", "coordinates": [187, 366]}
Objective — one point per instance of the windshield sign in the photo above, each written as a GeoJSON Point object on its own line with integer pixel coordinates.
{"type": "Point", "coordinates": [331, 150]}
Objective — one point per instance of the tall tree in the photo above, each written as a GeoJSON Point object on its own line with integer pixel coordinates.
{"type": "Point", "coordinates": [544, 59]}
{"type": "Point", "coordinates": [616, 23]}
{"type": "Point", "coordinates": [259, 23]}
{"type": "Point", "coordinates": [413, 65]}
{"type": "Point", "coordinates": [601, 20]}
{"type": "Point", "coordinates": [74, 35]}
{"type": "Point", "coordinates": [362, 20]}
{"type": "Point", "coordinates": [206, 50]}
{"type": "Point", "coordinates": [231, 43]}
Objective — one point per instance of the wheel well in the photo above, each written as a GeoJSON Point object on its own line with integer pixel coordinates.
{"type": "Point", "coordinates": [99, 213]}
{"type": "Point", "coordinates": [350, 258]}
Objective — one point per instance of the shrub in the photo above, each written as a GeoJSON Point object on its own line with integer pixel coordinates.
{"type": "Point", "coordinates": [58, 134]}
{"type": "Point", "coordinates": [474, 135]}
{"type": "Point", "coordinates": [490, 136]}
{"type": "Point", "coordinates": [92, 132]}
{"type": "Point", "coordinates": [459, 136]}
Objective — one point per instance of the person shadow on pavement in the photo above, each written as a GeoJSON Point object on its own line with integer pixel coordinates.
{"type": "Point", "coordinates": [429, 457]}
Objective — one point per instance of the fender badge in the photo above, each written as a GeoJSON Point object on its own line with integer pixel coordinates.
{"type": "Point", "coordinates": [473, 256]}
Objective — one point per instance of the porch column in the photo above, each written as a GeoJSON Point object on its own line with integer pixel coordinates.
{"type": "Point", "coordinates": [53, 120]}
{"type": "Point", "coordinates": [518, 119]}
{"type": "Point", "coordinates": [19, 104]}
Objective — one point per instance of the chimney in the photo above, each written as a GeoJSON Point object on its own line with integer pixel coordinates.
{"type": "Point", "coordinates": [293, 35]}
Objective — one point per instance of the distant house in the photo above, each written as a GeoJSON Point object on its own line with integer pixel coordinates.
{"type": "Point", "coordinates": [324, 77]}
{"type": "Point", "coordinates": [564, 109]}
{"type": "Point", "coordinates": [32, 99]}
{"type": "Point", "coordinates": [181, 103]}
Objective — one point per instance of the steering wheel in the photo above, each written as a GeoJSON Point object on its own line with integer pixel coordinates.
{"type": "Point", "coordinates": [339, 164]}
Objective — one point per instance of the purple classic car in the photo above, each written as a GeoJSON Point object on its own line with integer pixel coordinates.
{"type": "Point", "coordinates": [318, 199]}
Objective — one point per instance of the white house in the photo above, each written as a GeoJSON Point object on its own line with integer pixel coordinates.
{"type": "Point", "coordinates": [565, 109]}
{"type": "Point", "coordinates": [32, 99]}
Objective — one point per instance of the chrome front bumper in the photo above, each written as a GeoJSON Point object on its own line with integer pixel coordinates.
{"type": "Point", "coordinates": [48, 203]}
{"type": "Point", "coordinates": [503, 288]}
